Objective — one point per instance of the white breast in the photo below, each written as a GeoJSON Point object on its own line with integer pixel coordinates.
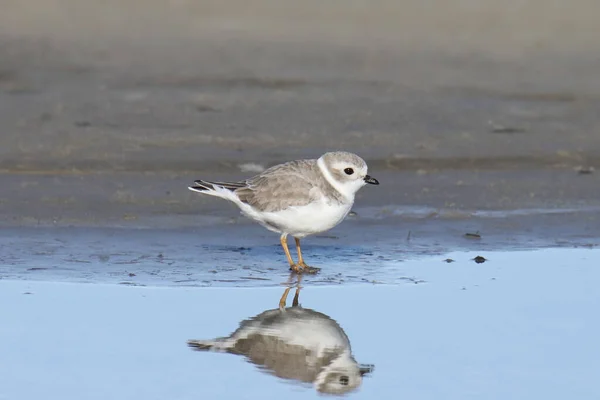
{"type": "Point", "coordinates": [297, 326]}
{"type": "Point", "coordinates": [301, 221]}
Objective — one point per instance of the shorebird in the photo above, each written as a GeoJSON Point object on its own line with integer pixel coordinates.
{"type": "Point", "coordinates": [297, 198]}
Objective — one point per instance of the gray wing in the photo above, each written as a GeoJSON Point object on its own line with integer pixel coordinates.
{"type": "Point", "coordinates": [295, 183]}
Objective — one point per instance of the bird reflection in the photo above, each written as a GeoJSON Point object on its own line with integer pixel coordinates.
{"type": "Point", "coordinates": [295, 343]}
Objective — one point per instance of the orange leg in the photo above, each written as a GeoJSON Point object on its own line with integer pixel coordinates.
{"type": "Point", "coordinates": [296, 295]}
{"type": "Point", "coordinates": [295, 267]}
{"type": "Point", "coordinates": [284, 298]}
{"type": "Point", "coordinates": [300, 259]}
{"type": "Point", "coordinates": [301, 263]}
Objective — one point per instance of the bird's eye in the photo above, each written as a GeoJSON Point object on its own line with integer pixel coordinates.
{"type": "Point", "coordinates": [344, 380]}
{"type": "Point", "coordinates": [349, 171]}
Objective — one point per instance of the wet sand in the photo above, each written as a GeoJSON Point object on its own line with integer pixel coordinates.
{"type": "Point", "coordinates": [146, 86]}
{"type": "Point", "coordinates": [475, 118]}
{"type": "Point", "coordinates": [139, 229]}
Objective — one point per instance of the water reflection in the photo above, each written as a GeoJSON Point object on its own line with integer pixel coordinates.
{"type": "Point", "coordinates": [295, 343]}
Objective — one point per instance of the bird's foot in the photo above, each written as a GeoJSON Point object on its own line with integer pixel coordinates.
{"type": "Point", "coordinates": [302, 268]}
{"type": "Point", "coordinates": [308, 269]}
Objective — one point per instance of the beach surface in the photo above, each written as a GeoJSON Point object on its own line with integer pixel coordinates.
{"type": "Point", "coordinates": [108, 111]}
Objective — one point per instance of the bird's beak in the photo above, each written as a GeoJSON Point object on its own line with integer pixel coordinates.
{"type": "Point", "coordinates": [371, 180]}
{"type": "Point", "coordinates": [365, 369]}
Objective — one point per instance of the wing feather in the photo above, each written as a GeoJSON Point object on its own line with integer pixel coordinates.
{"type": "Point", "coordinates": [282, 186]}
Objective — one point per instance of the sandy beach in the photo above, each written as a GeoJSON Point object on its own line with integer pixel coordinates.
{"type": "Point", "coordinates": [107, 115]}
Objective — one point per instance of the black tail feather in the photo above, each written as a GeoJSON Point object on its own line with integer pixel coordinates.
{"type": "Point", "coordinates": [200, 345]}
{"type": "Point", "coordinates": [199, 188]}
{"type": "Point", "coordinates": [207, 185]}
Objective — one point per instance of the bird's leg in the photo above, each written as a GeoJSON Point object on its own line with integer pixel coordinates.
{"type": "Point", "coordinates": [293, 266]}
{"type": "Point", "coordinates": [300, 259]}
{"type": "Point", "coordinates": [284, 298]}
{"type": "Point", "coordinates": [301, 263]}
{"type": "Point", "coordinates": [287, 291]}
{"type": "Point", "coordinates": [296, 295]}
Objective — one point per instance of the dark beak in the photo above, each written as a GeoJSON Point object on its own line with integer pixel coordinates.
{"type": "Point", "coordinates": [370, 180]}
{"type": "Point", "coordinates": [365, 369]}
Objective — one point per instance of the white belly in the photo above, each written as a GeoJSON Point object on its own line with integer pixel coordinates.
{"type": "Point", "coordinates": [302, 221]}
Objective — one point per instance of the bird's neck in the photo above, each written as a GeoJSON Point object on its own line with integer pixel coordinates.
{"type": "Point", "coordinates": [345, 192]}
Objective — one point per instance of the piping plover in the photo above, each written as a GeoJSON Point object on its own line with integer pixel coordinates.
{"type": "Point", "coordinates": [295, 343]}
{"type": "Point", "coordinates": [297, 198]}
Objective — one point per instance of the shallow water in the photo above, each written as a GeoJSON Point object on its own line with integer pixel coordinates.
{"type": "Point", "coordinates": [244, 255]}
{"type": "Point", "coordinates": [519, 323]}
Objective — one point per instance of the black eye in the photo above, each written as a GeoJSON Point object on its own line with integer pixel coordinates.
{"type": "Point", "coordinates": [344, 380]}
{"type": "Point", "coordinates": [349, 171]}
